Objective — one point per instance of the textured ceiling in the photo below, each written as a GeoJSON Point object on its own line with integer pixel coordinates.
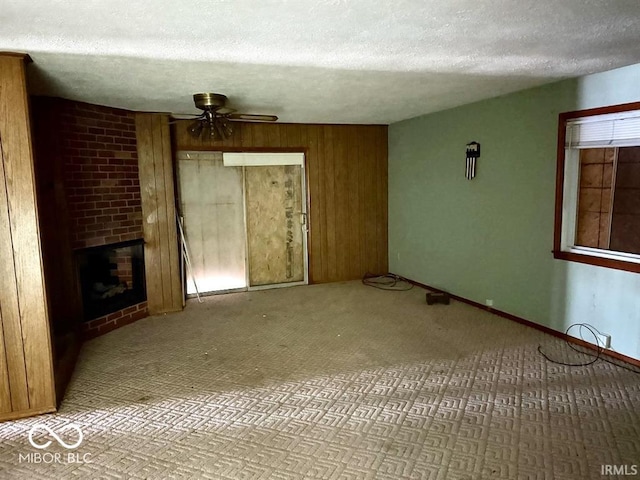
{"type": "Point", "coordinates": [335, 61]}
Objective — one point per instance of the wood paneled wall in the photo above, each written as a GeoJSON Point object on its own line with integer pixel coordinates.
{"type": "Point", "coordinates": [346, 186]}
{"type": "Point", "coordinates": [65, 306]}
{"type": "Point", "coordinates": [26, 366]}
{"type": "Point", "coordinates": [164, 291]}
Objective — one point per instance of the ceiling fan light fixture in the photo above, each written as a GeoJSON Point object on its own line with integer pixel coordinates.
{"type": "Point", "coordinates": [196, 128]}
{"type": "Point", "coordinates": [209, 101]}
{"type": "Point", "coordinates": [227, 129]}
{"type": "Point", "coordinates": [216, 133]}
{"type": "Point", "coordinates": [216, 120]}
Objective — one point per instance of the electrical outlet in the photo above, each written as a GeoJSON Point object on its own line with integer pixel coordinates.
{"type": "Point", "coordinates": [604, 340]}
{"type": "Point", "coordinates": [489, 302]}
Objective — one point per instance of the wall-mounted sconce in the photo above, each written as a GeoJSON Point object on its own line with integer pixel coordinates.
{"type": "Point", "coordinates": [473, 153]}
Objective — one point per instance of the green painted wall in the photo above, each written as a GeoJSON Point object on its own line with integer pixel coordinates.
{"type": "Point", "coordinates": [491, 238]}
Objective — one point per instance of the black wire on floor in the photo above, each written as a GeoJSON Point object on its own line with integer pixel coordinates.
{"type": "Point", "coordinates": [594, 356]}
{"type": "Point", "coordinates": [388, 281]}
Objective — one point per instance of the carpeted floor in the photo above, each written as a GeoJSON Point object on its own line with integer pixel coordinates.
{"type": "Point", "coordinates": [332, 381]}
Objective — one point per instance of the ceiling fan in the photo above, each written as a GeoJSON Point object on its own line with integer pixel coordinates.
{"type": "Point", "coordinates": [215, 120]}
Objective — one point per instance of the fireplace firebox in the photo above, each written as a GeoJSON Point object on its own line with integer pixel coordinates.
{"type": "Point", "coordinates": [111, 277]}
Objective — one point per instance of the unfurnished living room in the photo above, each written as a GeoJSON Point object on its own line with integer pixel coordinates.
{"type": "Point", "coordinates": [324, 239]}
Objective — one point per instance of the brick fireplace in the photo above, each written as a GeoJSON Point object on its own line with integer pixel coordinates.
{"type": "Point", "coordinates": [95, 150]}
{"type": "Point", "coordinates": [102, 175]}
{"type": "Point", "coordinates": [111, 278]}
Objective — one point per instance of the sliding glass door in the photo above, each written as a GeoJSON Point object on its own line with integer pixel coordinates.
{"type": "Point", "coordinates": [244, 219]}
{"type": "Point", "coordinates": [212, 207]}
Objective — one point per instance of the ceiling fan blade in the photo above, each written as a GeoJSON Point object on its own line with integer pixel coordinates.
{"type": "Point", "coordinates": [186, 116]}
{"type": "Point", "coordinates": [247, 117]}
{"type": "Point", "coordinates": [178, 117]}
{"type": "Point", "coordinates": [225, 110]}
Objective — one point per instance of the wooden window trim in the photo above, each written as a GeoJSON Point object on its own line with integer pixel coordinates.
{"type": "Point", "coordinates": [558, 253]}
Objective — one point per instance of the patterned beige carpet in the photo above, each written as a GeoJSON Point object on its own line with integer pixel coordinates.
{"type": "Point", "coordinates": [332, 381]}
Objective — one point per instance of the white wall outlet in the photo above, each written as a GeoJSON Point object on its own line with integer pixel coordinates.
{"type": "Point", "coordinates": [604, 340]}
{"type": "Point", "coordinates": [489, 302]}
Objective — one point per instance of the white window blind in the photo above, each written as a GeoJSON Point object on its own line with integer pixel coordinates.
{"type": "Point", "coordinates": [245, 159]}
{"type": "Point", "coordinates": [609, 130]}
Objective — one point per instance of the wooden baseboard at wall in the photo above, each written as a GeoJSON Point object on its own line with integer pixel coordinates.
{"type": "Point", "coordinates": [609, 353]}
{"type": "Point", "coordinates": [25, 413]}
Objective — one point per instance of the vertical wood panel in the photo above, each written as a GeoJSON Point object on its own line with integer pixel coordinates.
{"type": "Point", "coordinates": [292, 135]}
{"type": "Point", "coordinates": [5, 391]}
{"type": "Point", "coordinates": [246, 137]}
{"type": "Point", "coordinates": [309, 137]}
{"type": "Point", "coordinates": [171, 234]}
{"type": "Point", "coordinates": [65, 307]}
{"type": "Point", "coordinates": [149, 211]}
{"type": "Point", "coordinates": [236, 139]}
{"type": "Point", "coordinates": [20, 202]}
{"type": "Point", "coordinates": [164, 293]}
{"type": "Point", "coordinates": [382, 223]}
{"type": "Point", "coordinates": [353, 195]}
{"type": "Point", "coordinates": [347, 189]}
{"type": "Point", "coordinates": [341, 195]}
{"type": "Point", "coordinates": [370, 203]}
{"type": "Point", "coordinates": [322, 237]}
{"type": "Point", "coordinates": [330, 206]}
{"type": "Point", "coordinates": [161, 204]}
{"type": "Point", "coordinates": [12, 330]}
{"type": "Point", "coordinates": [362, 171]}
{"type": "Point", "coordinates": [258, 137]}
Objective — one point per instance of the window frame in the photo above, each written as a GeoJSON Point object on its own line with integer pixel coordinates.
{"type": "Point", "coordinates": [587, 255]}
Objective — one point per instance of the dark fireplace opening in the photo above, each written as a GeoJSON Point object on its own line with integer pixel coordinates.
{"type": "Point", "coordinates": [111, 277]}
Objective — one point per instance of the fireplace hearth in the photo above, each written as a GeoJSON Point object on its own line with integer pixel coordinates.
{"type": "Point", "coordinates": [111, 277]}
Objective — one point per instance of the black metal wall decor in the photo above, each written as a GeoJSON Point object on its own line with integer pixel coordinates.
{"type": "Point", "coordinates": [473, 153]}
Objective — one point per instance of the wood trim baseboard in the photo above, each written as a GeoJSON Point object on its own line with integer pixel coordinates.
{"type": "Point", "coordinates": [26, 413]}
{"type": "Point", "coordinates": [609, 353]}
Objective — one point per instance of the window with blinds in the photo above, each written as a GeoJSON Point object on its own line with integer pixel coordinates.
{"type": "Point", "coordinates": [598, 194]}
{"type": "Point", "coordinates": [615, 129]}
